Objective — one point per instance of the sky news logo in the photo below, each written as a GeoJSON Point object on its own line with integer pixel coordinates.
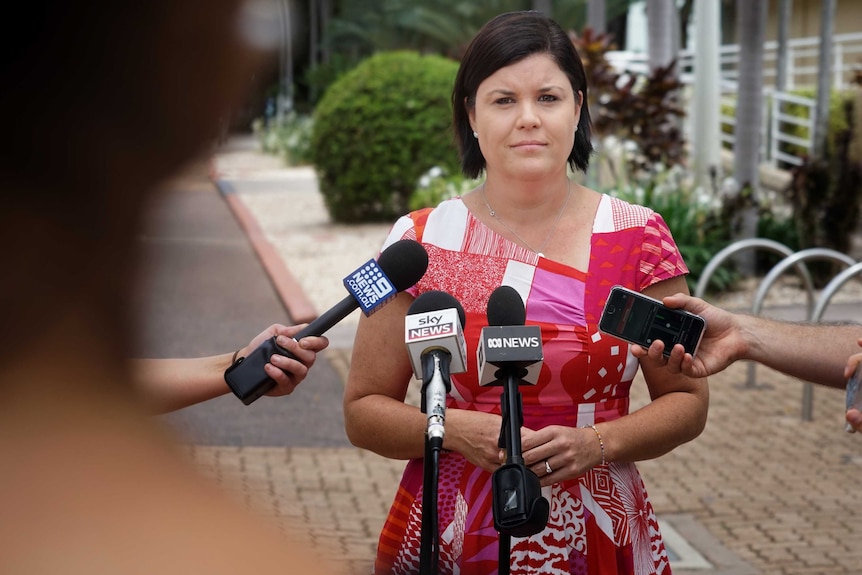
{"type": "Point", "coordinates": [424, 332]}
{"type": "Point", "coordinates": [370, 286]}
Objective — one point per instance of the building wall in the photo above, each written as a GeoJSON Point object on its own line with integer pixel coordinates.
{"type": "Point", "coordinates": [805, 18]}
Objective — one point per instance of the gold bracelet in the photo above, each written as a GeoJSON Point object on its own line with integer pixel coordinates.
{"type": "Point", "coordinates": [601, 442]}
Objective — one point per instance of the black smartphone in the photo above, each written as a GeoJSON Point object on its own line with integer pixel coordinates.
{"type": "Point", "coordinates": [640, 319]}
{"type": "Point", "coordinates": [854, 394]}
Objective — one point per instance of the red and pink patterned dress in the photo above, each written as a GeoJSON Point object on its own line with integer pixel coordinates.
{"type": "Point", "coordinates": [601, 522]}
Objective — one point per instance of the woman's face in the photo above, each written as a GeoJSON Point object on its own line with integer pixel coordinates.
{"type": "Point", "coordinates": [526, 115]}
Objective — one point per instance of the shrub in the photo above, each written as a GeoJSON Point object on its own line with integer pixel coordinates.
{"type": "Point", "coordinates": [377, 129]}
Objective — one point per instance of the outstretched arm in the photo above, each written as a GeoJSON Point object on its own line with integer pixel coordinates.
{"type": "Point", "coordinates": [171, 384]}
{"type": "Point", "coordinates": [809, 351]}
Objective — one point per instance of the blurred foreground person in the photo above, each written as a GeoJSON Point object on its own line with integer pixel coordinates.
{"type": "Point", "coordinates": [820, 353]}
{"type": "Point", "coordinates": [101, 101]}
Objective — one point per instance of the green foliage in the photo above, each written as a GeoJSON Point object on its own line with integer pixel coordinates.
{"type": "Point", "coordinates": [437, 185]}
{"type": "Point", "coordinates": [378, 129]}
{"type": "Point", "coordinates": [695, 220]}
{"type": "Point", "coordinates": [443, 27]}
{"type": "Point", "coordinates": [288, 138]}
{"type": "Point", "coordinates": [837, 120]}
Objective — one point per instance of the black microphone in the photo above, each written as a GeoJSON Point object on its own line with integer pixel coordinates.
{"type": "Point", "coordinates": [508, 344]}
{"type": "Point", "coordinates": [507, 348]}
{"type": "Point", "coordinates": [370, 286]}
{"type": "Point", "coordinates": [435, 340]}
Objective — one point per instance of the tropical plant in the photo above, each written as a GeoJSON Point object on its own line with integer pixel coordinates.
{"type": "Point", "coordinates": [641, 109]}
{"type": "Point", "coordinates": [825, 193]}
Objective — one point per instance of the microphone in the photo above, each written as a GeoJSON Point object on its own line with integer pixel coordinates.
{"type": "Point", "coordinates": [508, 344]}
{"type": "Point", "coordinates": [507, 351]}
{"type": "Point", "coordinates": [435, 341]}
{"type": "Point", "coordinates": [370, 287]}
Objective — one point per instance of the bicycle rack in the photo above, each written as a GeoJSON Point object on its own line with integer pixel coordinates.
{"type": "Point", "coordinates": [742, 245]}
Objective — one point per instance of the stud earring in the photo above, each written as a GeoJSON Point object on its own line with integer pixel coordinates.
{"type": "Point", "coordinates": [475, 134]}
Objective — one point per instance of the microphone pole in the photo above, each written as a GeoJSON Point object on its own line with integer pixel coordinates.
{"type": "Point", "coordinates": [510, 354]}
{"type": "Point", "coordinates": [429, 551]}
{"type": "Point", "coordinates": [435, 341]}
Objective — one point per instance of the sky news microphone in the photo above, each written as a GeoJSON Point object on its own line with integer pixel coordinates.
{"type": "Point", "coordinates": [434, 328]}
{"type": "Point", "coordinates": [507, 345]}
{"type": "Point", "coordinates": [370, 286]}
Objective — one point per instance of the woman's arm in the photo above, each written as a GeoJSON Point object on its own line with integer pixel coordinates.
{"type": "Point", "coordinates": [376, 417]}
{"type": "Point", "coordinates": [171, 384]}
{"type": "Point", "coordinates": [676, 414]}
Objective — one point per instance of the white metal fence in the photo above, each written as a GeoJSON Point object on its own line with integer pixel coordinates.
{"type": "Point", "coordinates": [785, 137]}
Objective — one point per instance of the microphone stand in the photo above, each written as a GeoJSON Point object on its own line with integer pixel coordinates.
{"type": "Point", "coordinates": [519, 508]}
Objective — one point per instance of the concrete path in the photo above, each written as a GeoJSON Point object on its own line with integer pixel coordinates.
{"type": "Point", "coordinates": [759, 492]}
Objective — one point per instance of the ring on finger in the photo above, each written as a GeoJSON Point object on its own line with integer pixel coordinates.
{"type": "Point", "coordinates": [548, 469]}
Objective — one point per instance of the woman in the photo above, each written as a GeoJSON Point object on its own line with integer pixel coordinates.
{"type": "Point", "coordinates": [520, 114]}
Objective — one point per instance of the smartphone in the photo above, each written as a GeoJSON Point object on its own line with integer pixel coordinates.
{"type": "Point", "coordinates": [640, 319]}
{"type": "Point", "coordinates": [854, 394]}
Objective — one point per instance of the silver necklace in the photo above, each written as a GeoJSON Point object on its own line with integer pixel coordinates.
{"type": "Point", "coordinates": [494, 215]}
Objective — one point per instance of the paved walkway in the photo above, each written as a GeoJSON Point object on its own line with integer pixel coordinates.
{"type": "Point", "coordinates": [759, 492]}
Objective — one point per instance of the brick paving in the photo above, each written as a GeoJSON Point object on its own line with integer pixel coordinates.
{"type": "Point", "coordinates": [760, 491]}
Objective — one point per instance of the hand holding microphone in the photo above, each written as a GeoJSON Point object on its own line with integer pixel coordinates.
{"type": "Point", "coordinates": [370, 286]}
{"type": "Point", "coordinates": [435, 340]}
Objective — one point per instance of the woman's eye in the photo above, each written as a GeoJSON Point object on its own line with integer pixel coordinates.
{"type": "Point", "coordinates": [547, 98]}
{"type": "Point", "coordinates": [504, 100]}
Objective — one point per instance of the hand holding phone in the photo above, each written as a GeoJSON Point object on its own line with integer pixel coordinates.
{"type": "Point", "coordinates": [636, 318]}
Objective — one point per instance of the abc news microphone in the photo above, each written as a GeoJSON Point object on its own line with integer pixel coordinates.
{"type": "Point", "coordinates": [507, 345]}
{"type": "Point", "coordinates": [434, 334]}
{"type": "Point", "coordinates": [370, 286]}
{"type": "Point", "coordinates": [510, 353]}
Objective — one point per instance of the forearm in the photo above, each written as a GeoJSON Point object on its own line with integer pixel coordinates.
{"type": "Point", "coordinates": [386, 426]}
{"type": "Point", "coordinates": [171, 384]}
{"type": "Point", "coordinates": [657, 428]}
{"type": "Point", "coordinates": [813, 352]}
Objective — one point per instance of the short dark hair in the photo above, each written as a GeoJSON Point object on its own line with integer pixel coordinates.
{"type": "Point", "coordinates": [505, 40]}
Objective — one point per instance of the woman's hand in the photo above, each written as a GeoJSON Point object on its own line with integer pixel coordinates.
{"type": "Point", "coordinates": [476, 435]}
{"type": "Point", "coordinates": [568, 452]}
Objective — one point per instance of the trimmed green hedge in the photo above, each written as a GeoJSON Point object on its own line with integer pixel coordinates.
{"type": "Point", "coordinates": [378, 129]}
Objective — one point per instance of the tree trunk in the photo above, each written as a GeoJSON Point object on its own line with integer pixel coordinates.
{"type": "Point", "coordinates": [544, 6]}
{"type": "Point", "coordinates": [597, 16]}
{"type": "Point", "coordinates": [785, 8]}
{"type": "Point", "coordinates": [706, 109]}
{"type": "Point", "coordinates": [663, 33]}
{"type": "Point", "coordinates": [824, 78]}
{"type": "Point", "coordinates": [751, 29]}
